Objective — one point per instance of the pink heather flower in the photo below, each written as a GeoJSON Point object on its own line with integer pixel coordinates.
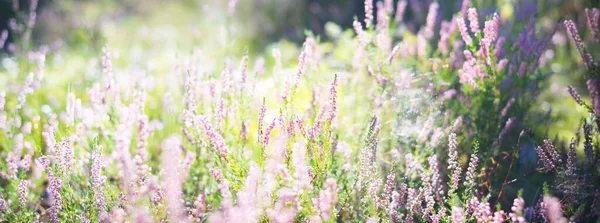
{"type": "Point", "coordinates": [326, 200]}
{"type": "Point", "coordinates": [388, 5]}
{"type": "Point", "coordinates": [23, 185]}
{"type": "Point", "coordinates": [553, 210]}
{"type": "Point", "coordinates": [471, 171]}
{"type": "Point", "coordinates": [285, 209]}
{"type": "Point", "coordinates": [453, 164]}
{"type": "Point", "coordinates": [400, 9]}
{"type": "Point", "coordinates": [393, 54]}
{"type": "Point", "coordinates": [392, 209]}
{"type": "Point", "coordinates": [333, 98]}
{"type": "Point", "coordinates": [247, 208]}
{"type": "Point", "coordinates": [413, 199]}
{"type": "Point", "coordinates": [267, 134]}
{"type": "Point", "coordinates": [473, 20]}
{"type": "Point", "coordinates": [362, 35]}
{"type": "Point", "coordinates": [547, 164]}
{"type": "Point", "coordinates": [574, 34]}
{"type": "Point", "coordinates": [54, 186]}
{"type": "Point", "coordinates": [499, 217]}
{"type": "Point", "coordinates": [368, 13]}
{"type": "Point", "coordinates": [221, 112]}
{"type": "Point", "coordinates": [384, 42]}
{"type": "Point", "coordinates": [107, 68]}
{"type": "Point", "coordinates": [300, 126]}
{"type": "Point", "coordinates": [189, 100]}
{"type": "Point", "coordinates": [301, 170]}
{"type": "Point", "coordinates": [215, 138]}
{"type": "Point", "coordinates": [216, 173]}
{"type": "Point", "coordinates": [464, 7]}
{"type": "Point", "coordinates": [588, 148]}
{"type": "Point", "coordinates": [421, 46]}
{"type": "Point", "coordinates": [592, 85]}
{"type": "Point", "coordinates": [462, 28]}
{"type": "Point", "coordinates": [498, 49]}
{"type": "Point", "coordinates": [199, 206]}
{"type": "Point", "coordinates": [517, 208]}
{"type": "Point", "coordinates": [26, 89]}
{"type": "Point", "coordinates": [575, 96]}
{"type": "Point", "coordinates": [507, 107]}
{"type": "Point", "coordinates": [510, 123]}
{"type": "Point", "coordinates": [98, 180]}
{"type": "Point", "coordinates": [522, 69]}
{"type": "Point", "coordinates": [446, 31]}
{"type": "Point", "coordinates": [172, 178]}
{"type": "Point", "coordinates": [117, 215]}
{"type": "Point", "coordinates": [593, 16]}
{"type": "Point", "coordinates": [301, 66]}
{"type": "Point", "coordinates": [144, 131]}
{"type": "Point", "coordinates": [243, 72]}
{"type": "Point", "coordinates": [388, 189]}
{"type": "Point", "coordinates": [291, 127]}
{"type": "Point", "coordinates": [457, 215]}
{"type": "Point", "coordinates": [32, 13]}
{"type": "Point", "coordinates": [468, 55]}
{"type": "Point", "coordinates": [3, 205]}
{"type": "Point", "coordinates": [141, 215]}
{"type": "Point", "coordinates": [501, 65]}
{"type": "Point", "coordinates": [26, 162]}
{"type": "Point", "coordinates": [571, 159]}
{"type": "Point", "coordinates": [551, 151]}
{"type": "Point", "coordinates": [12, 162]}
{"type": "Point", "coordinates": [481, 210]}
{"type": "Point", "coordinates": [83, 219]}
{"type": "Point", "coordinates": [490, 34]}
{"type": "Point", "coordinates": [3, 38]}
{"type": "Point", "coordinates": [431, 185]}
{"type": "Point", "coordinates": [469, 73]}
{"type": "Point", "coordinates": [261, 120]}
{"type": "Point", "coordinates": [431, 20]}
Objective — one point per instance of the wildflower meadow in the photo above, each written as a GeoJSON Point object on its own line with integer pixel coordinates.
{"type": "Point", "coordinates": [300, 111]}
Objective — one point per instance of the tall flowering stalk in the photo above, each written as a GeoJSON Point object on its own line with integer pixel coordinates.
{"type": "Point", "coordinates": [23, 185]}
{"type": "Point", "coordinates": [576, 38]}
{"type": "Point", "coordinates": [430, 24]}
{"type": "Point", "coordinates": [261, 120]}
{"type": "Point", "coordinates": [517, 210]}
{"type": "Point", "coordinates": [215, 138]}
{"type": "Point", "coordinates": [368, 13]}
{"type": "Point", "coordinates": [473, 20]}
{"type": "Point", "coordinates": [54, 187]}
{"type": "Point", "coordinates": [333, 98]}
{"type": "Point", "coordinates": [470, 175]}
{"type": "Point", "coordinates": [453, 164]}
{"type": "Point", "coordinates": [462, 28]}
{"type": "Point", "coordinates": [400, 9]}
{"type": "Point", "coordinates": [593, 16]}
{"type": "Point", "coordinates": [326, 200]}
{"type": "Point", "coordinates": [490, 35]}
{"type": "Point", "coordinates": [98, 181]}
{"type": "Point", "coordinates": [172, 178]}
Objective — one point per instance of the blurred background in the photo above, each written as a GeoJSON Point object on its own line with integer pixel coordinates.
{"type": "Point", "coordinates": [264, 21]}
{"type": "Point", "coordinates": [81, 27]}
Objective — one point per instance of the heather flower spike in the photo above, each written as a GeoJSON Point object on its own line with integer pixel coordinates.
{"type": "Point", "coordinates": [574, 34]}
{"type": "Point", "coordinates": [593, 16]}
{"type": "Point", "coordinates": [368, 13]}
{"type": "Point", "coordinates": [473, 20]}
{"type": "Point", "coordinates": [462, 28]}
